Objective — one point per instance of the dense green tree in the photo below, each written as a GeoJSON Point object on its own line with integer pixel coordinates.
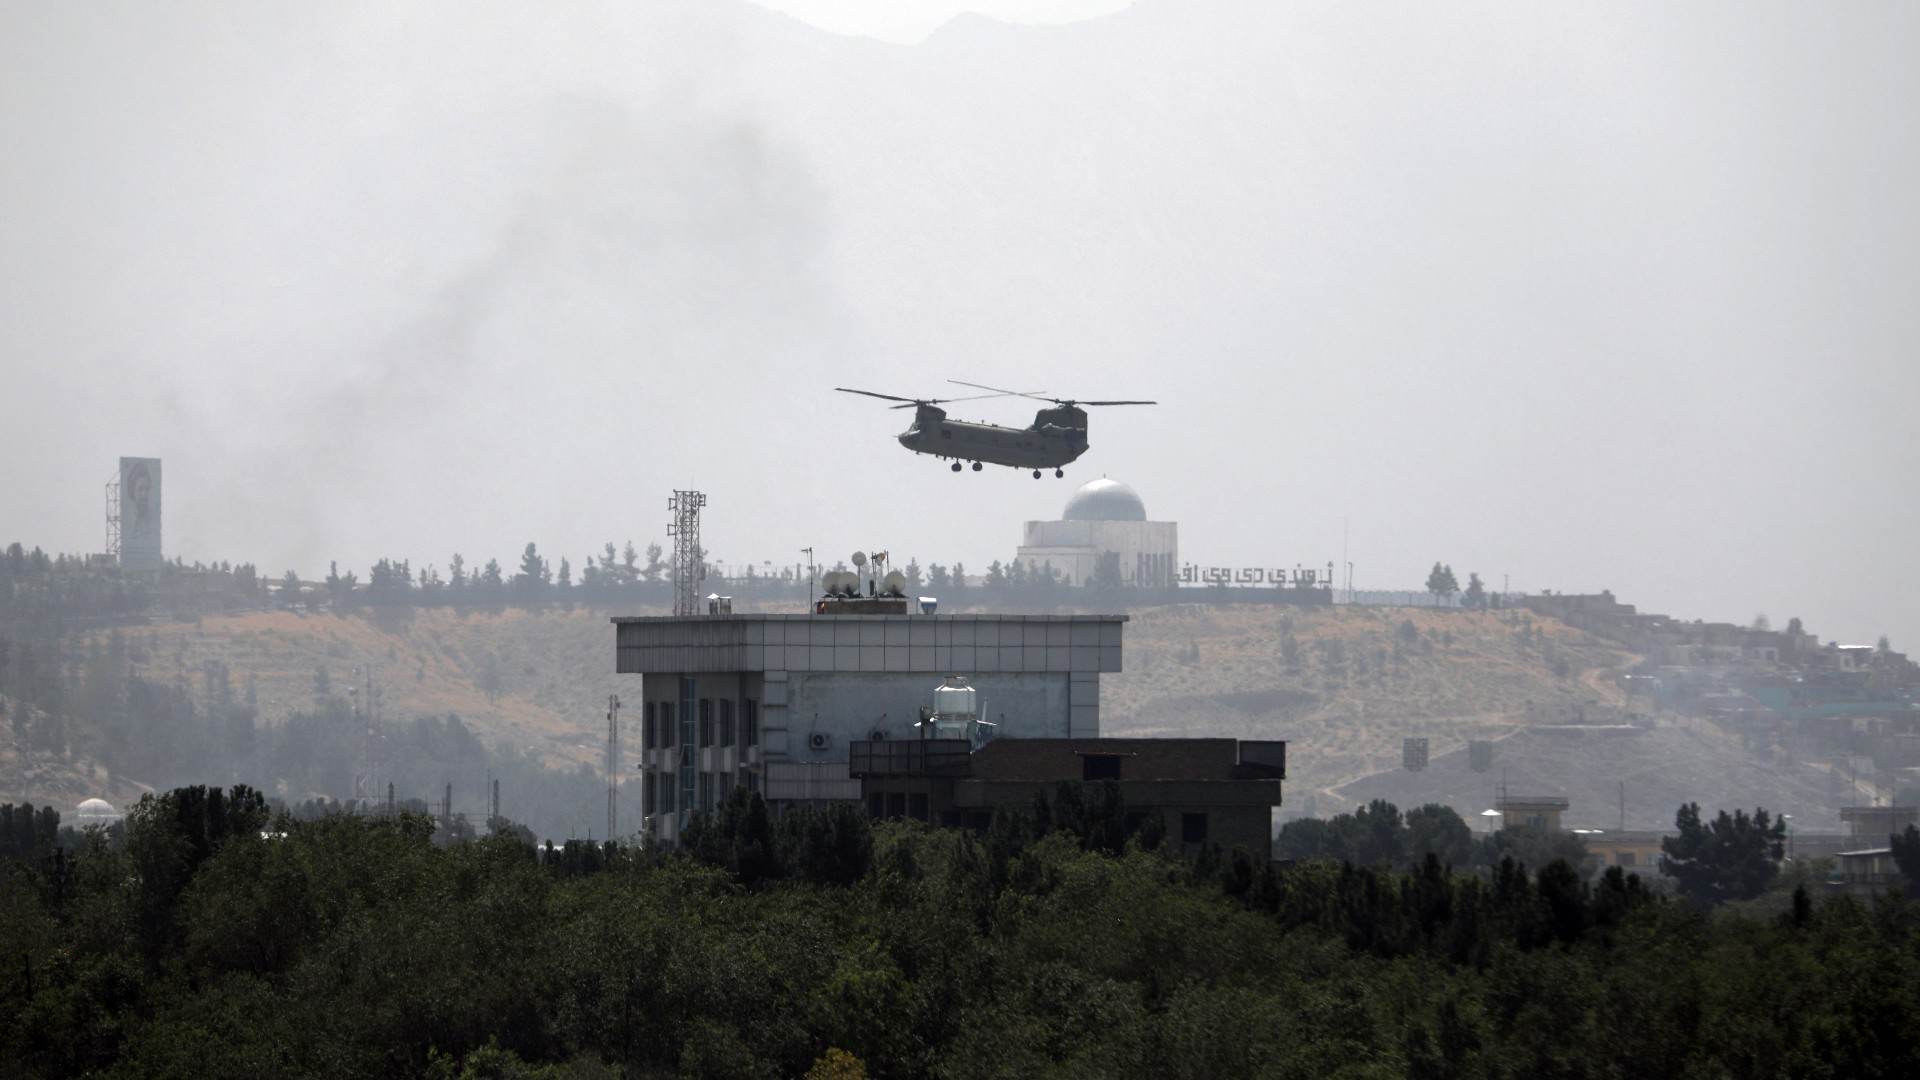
{"type": "Point", "coordinates": [1435, 829]}
{"type": "Point", "coordinates": [1906, 855]}
{"type": "Point", "coordinates": [345, 943]}
{"type": "Point", "coordinates": [1475, 595]}
{"type": "Point", "coordinates": [1733, 857]}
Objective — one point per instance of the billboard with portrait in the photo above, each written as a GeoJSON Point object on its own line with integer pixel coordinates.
{"type": "Point", "coordinates": [140, 513]}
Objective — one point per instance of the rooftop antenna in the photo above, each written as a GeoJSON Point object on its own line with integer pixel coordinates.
{"type": "Point", "coordinates": [613, 765]}
{"type": "Point", "coordinates": [684, 529]}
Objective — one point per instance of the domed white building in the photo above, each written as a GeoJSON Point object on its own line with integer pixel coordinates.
{"type": "Point", "coordinates": [95, 812]}
{"type": "Point", "coordinates": [1105, 516]}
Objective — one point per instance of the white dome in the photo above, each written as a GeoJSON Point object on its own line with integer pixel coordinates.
{"type": "Point", "coordinates": [1105, 500]}
{"type": "Point", "coordinates": [97, 806]}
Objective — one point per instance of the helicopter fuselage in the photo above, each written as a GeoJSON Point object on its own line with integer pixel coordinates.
{"type": "Point", "coordinates": [1056, 437]}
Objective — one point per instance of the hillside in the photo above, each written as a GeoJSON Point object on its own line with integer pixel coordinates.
{"type": "Point", "coordinates": [1345, 685]}
{"type": "Point", "coordinates": [1617, 777]}
{"type": "Point", "coordinates": [549, 672]}
{"type": "Point", "coordinates": [1342, 685]}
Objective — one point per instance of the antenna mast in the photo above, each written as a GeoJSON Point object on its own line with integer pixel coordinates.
{"type": "Point", "coordinates": [613, 765]}
{"type": "Point", "coordinates": [684, 529]}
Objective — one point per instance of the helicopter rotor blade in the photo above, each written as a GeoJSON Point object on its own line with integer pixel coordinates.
{"type": "Point", "coordinates": [1114, 403]}
{"type": "Point", "coordinates": [948, 400]}
{"type": "Point", "coordinates": [883, 397]}
{"type": "Point", "coordinates": [997, 391]}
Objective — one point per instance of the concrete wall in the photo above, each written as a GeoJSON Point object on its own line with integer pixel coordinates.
{"type": "Point", "coordinates": [1141, 759]}
{"type": "Point", "coordinates": [964, 644]}
{"type": "Point", "coordinates": [1074, 547]}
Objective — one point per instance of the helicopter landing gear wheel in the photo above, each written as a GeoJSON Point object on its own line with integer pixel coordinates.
{"type": "Point", "coordinates": [976, 466]}
{"type": "Point", "coordinates": [1036, 474]}
{"type": "Point", "coordinates": [956, 466]}
{"type": "Point", "coordinates": [1059, 473]}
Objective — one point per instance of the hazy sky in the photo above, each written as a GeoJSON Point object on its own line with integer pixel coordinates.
{"type": "Point", "coordinates": [908, 22]}
{"type": "Point", "coordinates": [1603, 296]}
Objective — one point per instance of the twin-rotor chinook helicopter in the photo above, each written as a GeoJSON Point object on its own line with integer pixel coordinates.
{"type": "Point", "coordinates": [1057, 435]}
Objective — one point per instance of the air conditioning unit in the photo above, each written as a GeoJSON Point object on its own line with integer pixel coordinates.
{"type": "Point", "coordinates": [819, 740]}
{"type": "Point", "coordinates": [877, 734]}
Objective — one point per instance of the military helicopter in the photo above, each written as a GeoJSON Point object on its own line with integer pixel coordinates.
{"type": "Point", "coordinates": [1057, 435]}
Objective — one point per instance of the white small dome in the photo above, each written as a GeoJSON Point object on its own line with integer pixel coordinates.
{"type": "Point", "coordinates": [1105, 500]}
{"type": "Point", "coordinates": [96, 812]}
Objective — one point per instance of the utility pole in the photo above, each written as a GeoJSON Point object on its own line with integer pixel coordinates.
{"type": "Point", "coordinates": [1346, 531]}
{"type": "Point", "coordinates": [496, 802]}
{"type": "Point", "coordinates": [613, 765]}
{"type": "Point", "coordinates": [808, 552]}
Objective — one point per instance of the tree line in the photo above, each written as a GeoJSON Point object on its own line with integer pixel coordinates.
{"type": "Point", "coordinates": [216, 938]}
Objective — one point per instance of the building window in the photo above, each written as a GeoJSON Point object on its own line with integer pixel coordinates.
{"type": "Point", "coordinates": [876, 805]}
{"type": "Point", "coordinates": [1193, 828]}
{"type": "Point", "coordinates": [1623, 858]}
{"type": "Point", "coordinates": [750, 720]}
{"type": "Point", "coordinates": [706, 792]}
{"type": "Point", "coordinates": [706, 722]}
{"type": "Point", "coordinates": [896, 804]}
{"type": "Point", "coordinates": [1100, 766]}
{"type": "Point", "coordinates": [646, 726]}
{"type": "Point", "coordinates": [664, 782]}
{"type": "Point", "coordinates": [664, 720]}
{"type": "Point", "coordinates": [917, 806]}
{"type": "Point", "coordinates": [726, 721]}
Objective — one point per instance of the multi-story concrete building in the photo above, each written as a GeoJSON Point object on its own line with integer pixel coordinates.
{"type": "Point", "coordinates": [771, 702]}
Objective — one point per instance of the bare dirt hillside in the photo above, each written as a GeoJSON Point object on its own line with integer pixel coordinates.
{"type": "Point", "coordinates": [1616, 776]}
{"type": "Point", "coordinates": [62, 784]}
{"type": "Point", "coordinates": [535, 680]}
{"type": "Point", "coordinates": [1344, 686]}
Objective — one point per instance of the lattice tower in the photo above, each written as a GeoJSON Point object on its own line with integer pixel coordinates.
{"type": "Point", "coordinates": [688, 568]}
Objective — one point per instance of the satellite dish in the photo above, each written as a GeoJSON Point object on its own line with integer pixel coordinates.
{"type": "Point", "coordinates": [859, 558]}
{"type": "Point", "coordinates": [894, 584]}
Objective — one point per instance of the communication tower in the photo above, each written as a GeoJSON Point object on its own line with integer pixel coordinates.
{"type": "Point", "coordinates": [684, 528]}
{"type": "Point", "coordinates": [113, 518]}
